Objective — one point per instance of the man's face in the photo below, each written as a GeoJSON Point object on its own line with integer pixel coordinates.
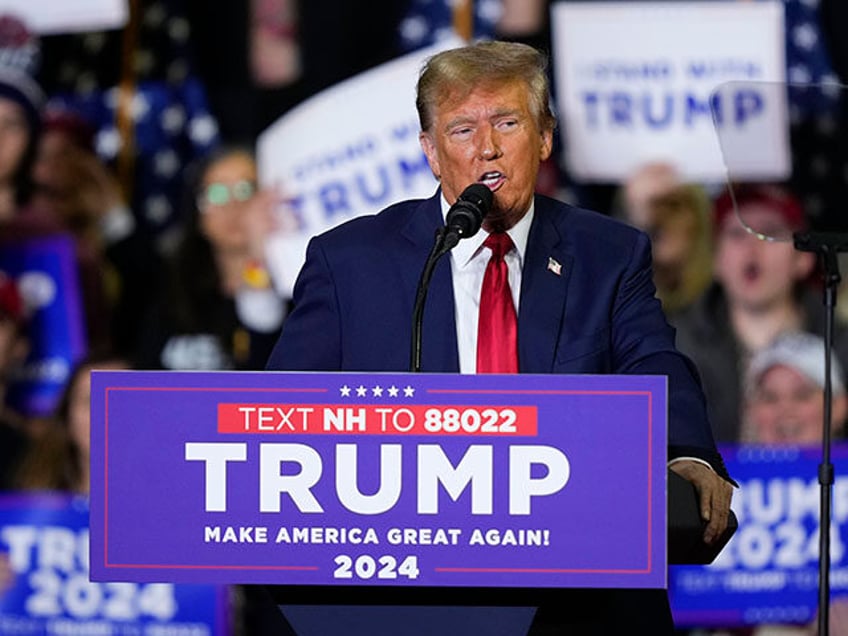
{"type": "Point", "coordinates": [490, 136]}
{"type": "Point", "coordinates": [757, 274]}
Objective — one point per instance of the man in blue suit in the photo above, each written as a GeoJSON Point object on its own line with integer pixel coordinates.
{"type": "Point", "coordinates": [581, 285]}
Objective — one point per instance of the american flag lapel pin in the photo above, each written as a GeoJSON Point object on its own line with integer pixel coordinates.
{"type": "Point", "coordinates": [554, 266]}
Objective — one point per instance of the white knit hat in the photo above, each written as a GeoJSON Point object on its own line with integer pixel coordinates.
{"type": "Point", "coordinates": [801, 351]}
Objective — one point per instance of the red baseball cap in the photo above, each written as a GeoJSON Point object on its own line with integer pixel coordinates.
{"type": "Point", "coordinates": [773, 197]}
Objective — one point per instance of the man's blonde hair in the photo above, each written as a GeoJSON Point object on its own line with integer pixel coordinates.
{"type": "Point", "coordinates": [456, 72]}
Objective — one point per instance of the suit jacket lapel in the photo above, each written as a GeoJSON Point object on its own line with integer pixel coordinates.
{"type": "Point", "coordinates": [439, 351]}
{"type": "Point", "coordinates": [543, 292]}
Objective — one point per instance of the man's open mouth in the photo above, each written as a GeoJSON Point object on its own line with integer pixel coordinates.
{"type": "Point", "coordinates": [492, 180]}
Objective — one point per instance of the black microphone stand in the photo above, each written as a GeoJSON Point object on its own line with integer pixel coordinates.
{"type": "Point", "coordinates": [445, 242]}
{"type": "Point", "coordinates": [827, 245]}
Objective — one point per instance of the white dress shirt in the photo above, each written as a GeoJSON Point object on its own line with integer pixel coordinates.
{"type": "Point", "coordinates": [468, 266]}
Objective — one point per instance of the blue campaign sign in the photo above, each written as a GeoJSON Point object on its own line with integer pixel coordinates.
{"type": "Point", "coordinates": [46, 271]}
{"type": "Point", "coordinates": [768, 572]}
{"type": "Point", "coordinates": [44, 538]}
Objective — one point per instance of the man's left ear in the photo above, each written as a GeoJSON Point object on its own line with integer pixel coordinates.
{"type": "Point", "coordinates": [547, 144]}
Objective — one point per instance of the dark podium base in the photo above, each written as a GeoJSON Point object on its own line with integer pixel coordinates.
{"type": "Point", "coordinates": [359, 620]}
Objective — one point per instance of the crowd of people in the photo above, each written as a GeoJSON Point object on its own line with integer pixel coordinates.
{"type": "Point", "coordinates": [746, 311]}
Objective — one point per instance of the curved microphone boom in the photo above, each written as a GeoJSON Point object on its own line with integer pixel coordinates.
{"type": "Point", "coordinates": [466, 215]}
{"type": "Point", "coordinates": [463, 219]}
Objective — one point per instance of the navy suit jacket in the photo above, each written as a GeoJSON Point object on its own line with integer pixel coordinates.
{"type": "Point", "coordinates": [353, 304]}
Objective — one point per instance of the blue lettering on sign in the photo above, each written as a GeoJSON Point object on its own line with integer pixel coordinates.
{"type": "Point", "coordinates": [747, 104]}
{"type": "Point", "coordinates": [736, 69]}
{"type": "Point", "coordinates": [384, 187]}
{"type": "Point", "coordinates": [618, 70]}
{"type": "Point", "coordinates": [373, 189]}
{"type": "Point", "coordinates": [667, 111]}
{"type": "Point", "coordinates": [591, 102]}
{"type": "Point", "coordinates": [351, 152]}
{"type": "Point", "coordinates": [696, 108]}
{"type": "Point", "coordinates": [620, 109]}
{"type": "Point", "coordinates": [334, 199]}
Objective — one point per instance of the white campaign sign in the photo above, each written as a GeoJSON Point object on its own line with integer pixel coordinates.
{"type": "Point", "coordinates": [68, 16]}
{"type": "Point", "coordinates": [350, 150]}
{"type": "Point", "coordinates": [638, 82]}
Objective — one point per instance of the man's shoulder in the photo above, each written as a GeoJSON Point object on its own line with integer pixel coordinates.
{"type": "Point", "coordinates": [584, 224]}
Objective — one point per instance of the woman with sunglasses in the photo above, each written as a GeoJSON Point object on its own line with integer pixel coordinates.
{"type": "Point", "coordinates": [219, 309]}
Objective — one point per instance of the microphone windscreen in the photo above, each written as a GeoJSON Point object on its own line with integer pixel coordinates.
{"type": "Point", "coordinates": [479, 195]}
{"type": "Point", "coordinates": [466, 215]}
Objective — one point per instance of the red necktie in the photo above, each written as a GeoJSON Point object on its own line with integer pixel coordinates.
{"type": "Point", "coordinates": [497, 327]}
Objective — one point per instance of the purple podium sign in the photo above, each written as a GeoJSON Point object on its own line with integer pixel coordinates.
{"type": "Point", "coordinates": [402, 480]}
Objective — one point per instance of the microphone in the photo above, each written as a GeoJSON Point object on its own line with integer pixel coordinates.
{"type": "Point", "coordinates": [466, 215]}
{"type": "Point", "coordinates": [463, 219]}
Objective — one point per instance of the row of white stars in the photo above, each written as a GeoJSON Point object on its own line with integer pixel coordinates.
{"type": "Point", "coordinates": [376, 391]}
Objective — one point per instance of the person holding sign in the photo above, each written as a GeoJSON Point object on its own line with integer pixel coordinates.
{"type": "Point", "coordinates": [575, 292]}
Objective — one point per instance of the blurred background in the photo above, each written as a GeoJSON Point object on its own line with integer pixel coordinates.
{"type": "Point", "coordinates": [163, 163]}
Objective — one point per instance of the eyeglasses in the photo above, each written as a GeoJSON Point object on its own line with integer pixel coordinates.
{"type": "Point", "coordinates": [218, 194]}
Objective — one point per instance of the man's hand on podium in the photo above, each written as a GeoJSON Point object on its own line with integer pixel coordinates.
{"type": "Point", "coordinates": [714, 494]}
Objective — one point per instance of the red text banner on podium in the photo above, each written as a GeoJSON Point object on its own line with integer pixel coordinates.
{"type": "Point", "coordinates": [437, 480]}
